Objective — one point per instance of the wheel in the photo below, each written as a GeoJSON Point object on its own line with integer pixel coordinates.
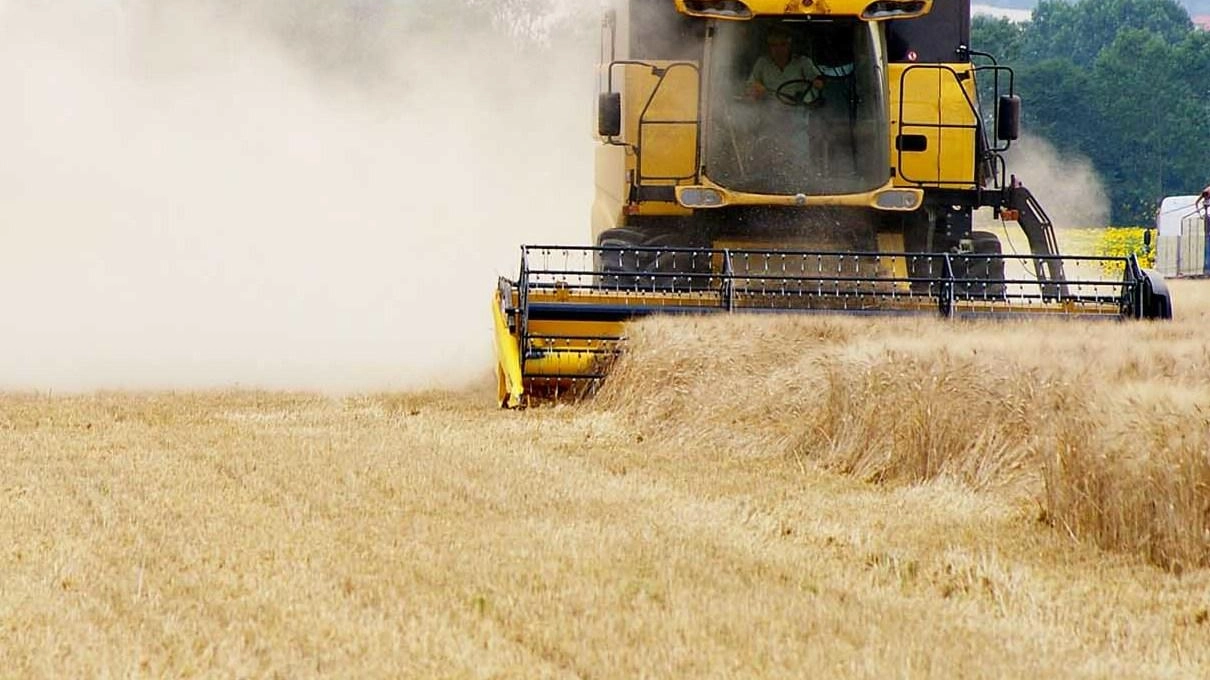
{"type": "Point", "coordinates": [984, 263]}
{"type": "Point", "coordinates": [651, 258]}
{"type": "Point", "coordinates": [806, 94]}
{"type": "Point", "coordinates": [1157, 303]}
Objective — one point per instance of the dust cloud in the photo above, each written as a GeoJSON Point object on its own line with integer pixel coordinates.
{"type": "Point", "coordinates": [273, 194]}
{"type": "Point", "coordinates": [1066, 184]}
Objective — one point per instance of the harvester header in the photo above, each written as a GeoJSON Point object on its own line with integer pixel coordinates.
{"type": "Point", "coordinates": [561, 323]}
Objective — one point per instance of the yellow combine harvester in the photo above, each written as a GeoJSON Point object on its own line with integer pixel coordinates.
{"type": "Point", "coordinates": [794, 156]}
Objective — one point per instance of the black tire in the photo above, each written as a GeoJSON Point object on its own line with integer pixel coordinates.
{"type": "Point", "coordinates": [989, 267]}
{"type": "Point", "coordinates": [1157, 302]}
{"type": "Point", "coordinates": [628, 264]}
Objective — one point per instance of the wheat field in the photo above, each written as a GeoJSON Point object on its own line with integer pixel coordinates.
{"type": "Point", "coordinates": [789, 497]}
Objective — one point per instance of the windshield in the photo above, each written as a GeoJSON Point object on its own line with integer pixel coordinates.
{"type": "Point", "coordinates": [796, 107]}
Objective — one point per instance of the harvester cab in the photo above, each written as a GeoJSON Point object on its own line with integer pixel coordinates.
{"type": "Point", "coordinates": [765, 155]}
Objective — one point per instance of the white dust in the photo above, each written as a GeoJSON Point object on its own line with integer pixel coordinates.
{"type": "Point", "coordinates": [1065, 184]}
{"type": "Point", "coordinates": [278, 195]}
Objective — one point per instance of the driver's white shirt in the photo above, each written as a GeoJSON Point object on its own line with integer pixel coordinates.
{"type": "Point", "coordinates": [765, 72]}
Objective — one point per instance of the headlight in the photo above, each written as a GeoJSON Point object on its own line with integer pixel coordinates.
{"type": "Point", "coordinates": [893, 9]}
{"type": "Point", "coordinates": [898, 199]}
{"type": "Point", "coordinates": [699, 197]}
{"type": "Point", "coordinates": [724, 9]}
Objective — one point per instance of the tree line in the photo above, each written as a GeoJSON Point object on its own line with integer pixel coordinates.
{"type": "Point", "coordinates": [1193, 6]}
{"type": "Point", "coordinates": [1122, 82]}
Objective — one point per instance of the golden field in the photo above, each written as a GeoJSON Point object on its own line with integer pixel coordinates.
{"type": "Point", "coordinates": [772, 497]}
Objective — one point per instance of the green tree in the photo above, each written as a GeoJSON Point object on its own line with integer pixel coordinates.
{"type": "Point", "coordinates": [1136, 99]}
{"type": "Point", "coordinates": [1189, 171]}
{"type": "Point", "coordinates": [1152, 99]}
{"type": "Point", "coordinates": [1079, 31]}
{"type": "Point", "coordinates": [1061, 106]}
{"type": "Point", "coordinates": [998, 37]}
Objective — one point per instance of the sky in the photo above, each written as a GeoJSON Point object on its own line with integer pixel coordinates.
{"type": "Point", "coordinates": [992, 10]}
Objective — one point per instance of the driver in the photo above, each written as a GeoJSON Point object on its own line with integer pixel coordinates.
{"type": "Point", "coordinates": [779, 67]}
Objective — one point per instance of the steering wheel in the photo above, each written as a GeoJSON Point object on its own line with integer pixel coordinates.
{"type": "Point", "coordinates": [806, 97]}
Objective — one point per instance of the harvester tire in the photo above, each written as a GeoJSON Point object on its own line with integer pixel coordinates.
{"type": "Point", "coordinates": [986, 243]}
{"type": "Point", "coordinates": [639, 269]}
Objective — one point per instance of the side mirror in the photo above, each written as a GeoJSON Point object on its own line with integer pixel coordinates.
{"type": "Point", "coordinates": [1008, 117]}
{"type": "Point", "coordinates": [1147, 239]}
{"type": "Point", "coordinates": [609, 114]}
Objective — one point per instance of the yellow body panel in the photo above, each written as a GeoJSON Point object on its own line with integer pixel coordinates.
{"type": "Point", "coordinates": [934, 96]}
{"type": "Point", "coordinates": [668, 153]}
{"type": "Point", "coordinates": [607, 208]}
{"type": "Point", "coordinates": [865, 199]}
{"type": "Point", "coordinates": [660, 111]}
{"type": "Point", "coordinates": [508, 358]}
{"type": "Point", "coordinates": [802, 7]}
{"type": "Point", "coordinates": [659, 142]}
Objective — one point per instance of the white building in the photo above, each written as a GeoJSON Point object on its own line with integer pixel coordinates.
{"type": "Point", "coordinates": [1182, 226]}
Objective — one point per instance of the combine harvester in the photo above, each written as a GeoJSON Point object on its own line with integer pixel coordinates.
{"type": "Point", "coordinates": [794, 156]}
